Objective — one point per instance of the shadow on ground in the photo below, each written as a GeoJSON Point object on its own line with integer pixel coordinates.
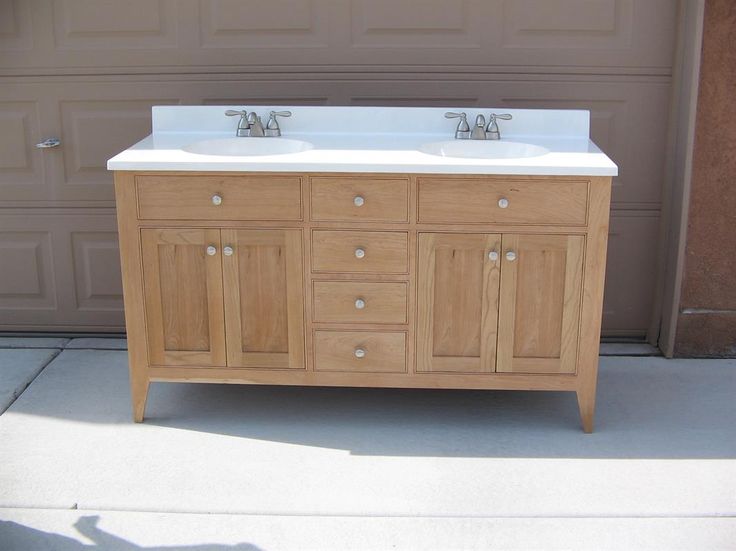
{"type": "Point", "coordinates": [647, 408]}
{"type": "Point", "coordinates": [17, 537]}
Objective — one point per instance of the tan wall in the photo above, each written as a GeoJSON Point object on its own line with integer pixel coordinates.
{"type": "Point", "coordinates": [707, 318]}
{"type": "Point", "coordinates": [88, 72]}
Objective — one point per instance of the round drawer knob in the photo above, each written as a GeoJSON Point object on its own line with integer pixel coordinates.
{"type": "Point", "coordinates": [503, 203]}
{"type": "Point", "coordinates": [359, 303]}
{"type": "Point", "coordinates": [216, 200]}
{"type": "Point", "coordinates": [359, 353]}
{"type": "Point", "coordinates": [358, 201]}
{"type": "Point", "coordinates": [359, 253]}
{"type": "Point", "coordinates": [211, 250]}
{"type": "Point", "coordinates": [511, 256]}
{"type": "Point", "coordinates": [227, 251]}
{"type": "Point", "coordinates": [493, 256]}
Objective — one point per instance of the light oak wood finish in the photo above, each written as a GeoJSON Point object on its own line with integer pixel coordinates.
{"type": "Point", "coordinates": [448, 200]}
{"type": "Point", "coordinates": [360, 302]}
{"type": "Point", "coordinates": [439, 312]}
{"type": "Point", "coordinates": [337, 251]}
{"type": "Point", "coordinates": [242, 197]}
{"type": "Point", "coordinates": [131, 264]}
{"type": "Point", "coordinates": [264, 298]}
{"type": "Point", "coordinates": [457, 302]}
{"type": "Point", "coordinates": [183, 296]}
{"type": "Point", "coordinates": [540, 303]}
{"type": "Point", "coordinates": [364, 199]}
{"type": "Point", "coordinates": [341, 351]}
{"type": "Point", "coordinates": [592, 301]}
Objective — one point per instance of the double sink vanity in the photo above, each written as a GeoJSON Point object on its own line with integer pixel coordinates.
{"type": "Point", "coordinates": [365, 246]}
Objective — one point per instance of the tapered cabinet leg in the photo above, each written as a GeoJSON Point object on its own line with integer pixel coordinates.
{"type": "Point", "coordinates": [139, 394]}
{"type": "Point", "coordinates": [586, 404]}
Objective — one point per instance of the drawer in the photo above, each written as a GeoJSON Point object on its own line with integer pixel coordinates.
{"type": "Point", "coordinates": [483, 201]}
{"type": "Point", "coordinates": [360, 302]}
{"type": "Point", "coordinates": [360, 351]}
{"type": "Point", "coordinates": [363, 252]}
{"type": "Point", "coordinates": [360, 199]}
{"type": "Point", "coordinates": [240, 197]}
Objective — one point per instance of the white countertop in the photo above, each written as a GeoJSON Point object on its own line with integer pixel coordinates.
{"type": "Point", "coordinates": [368, 139]}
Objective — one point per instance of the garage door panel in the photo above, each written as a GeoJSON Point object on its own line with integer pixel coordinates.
{"type": "Point", "coordinates": [26, 277]}
{"type": "Point", "coordinates": [569, 35]}
{"type": "Point", "coordinates": [21, 164]}
{"type": "Point", "coordinates": [274, 24]}
{"type": "Point", "coordinates": [15, 26]}
{"type": "Point", "coordinates": [62, 270]}
{"type": "Point", "coordinates": [631, 273]}
{"type": "Point", "coordinates": [133, 24]}
{"type": "Point", "coordinates": [97, 270]}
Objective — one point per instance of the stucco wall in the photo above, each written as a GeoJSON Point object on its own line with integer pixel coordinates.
{"type": "Point", "coordinates": [707, 318]}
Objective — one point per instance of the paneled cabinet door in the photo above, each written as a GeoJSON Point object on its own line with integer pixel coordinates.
{"type": "Point", "coordinates": [182, 273]}
{"type": "Point", "coordinates": [264, 298]}
{"type": "Point", "coordinates": [458, 283]}
{"type": "Point", "coordinates": [539, 315]}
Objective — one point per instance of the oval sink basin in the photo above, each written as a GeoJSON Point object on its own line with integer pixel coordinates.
{"type": "Point", "coordinates": [248, 147]}
{"type": "Point", "coordinates": [483, 149]}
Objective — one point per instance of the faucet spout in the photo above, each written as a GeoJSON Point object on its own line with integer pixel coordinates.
{"type": "Point", "coordinates": [479, 130]}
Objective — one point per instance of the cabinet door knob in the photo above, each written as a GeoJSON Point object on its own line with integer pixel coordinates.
{"type": "Point", "coordinates": [211, 250]}
{"type": "Point", "coordinates": [493, 256]}
{"type": "Point", "coordinates": [503, 202]}
{"type": "Point", "coordinates": [358, 201]}
{"type": "Point", "coordinates": [359, 253]}
{"type": "Point", "coordinates": [227, 251]}
{"type": "Point", "coordinates": [359, 303]}
{"type": "Point", "coordinates": [511, 256]}
{"type": "Point", "coordinates": [216, 200]}
{"type": "Point", "coordinates": [359, 353]}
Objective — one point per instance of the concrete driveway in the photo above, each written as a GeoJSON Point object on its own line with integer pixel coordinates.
{"type": "Point", "coordinates": [267, 468]}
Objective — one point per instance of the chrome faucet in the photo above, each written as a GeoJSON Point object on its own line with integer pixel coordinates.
{"type": "Point", "coordinates": [480, 130]}
{"type": "Point", "coordinates": [250, 124]}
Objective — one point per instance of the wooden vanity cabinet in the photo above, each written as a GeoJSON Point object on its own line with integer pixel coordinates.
{"type": "Point", "coordinates": [415, 281]}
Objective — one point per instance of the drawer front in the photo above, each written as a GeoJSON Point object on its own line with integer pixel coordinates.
{"type": "Point", "coordinates": [240, 197]}
{"type": "Point", "coordinates": [360, 351]}
{"type": "Point", "coordinates": [360, 199]}
{"type": "Point", "coordinates": [360, 302]}
{"type": "Point", "coordinates": [450, 201]}
{"type": "Point", "coordinates": [363, 252]}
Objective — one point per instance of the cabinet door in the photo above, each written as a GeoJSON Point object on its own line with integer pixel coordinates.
{"type": "Point", "coordinates": [182, 274]}
{"type": "Point", "coordinates": [458, 280]}
{"type": "Point", "coordinates": [264, 298]}
{"type": "Point", "coordinates": [539, 316]}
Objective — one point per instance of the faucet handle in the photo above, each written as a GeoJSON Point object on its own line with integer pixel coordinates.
{"type": "Point", "coordinates": [463, 128]}
{"type": "Point", "coordinates": [272, 126]}
{"type": "Point", "coordinates": [243, 124]}
{"type": "Point", "coordinates": [492, 132]}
